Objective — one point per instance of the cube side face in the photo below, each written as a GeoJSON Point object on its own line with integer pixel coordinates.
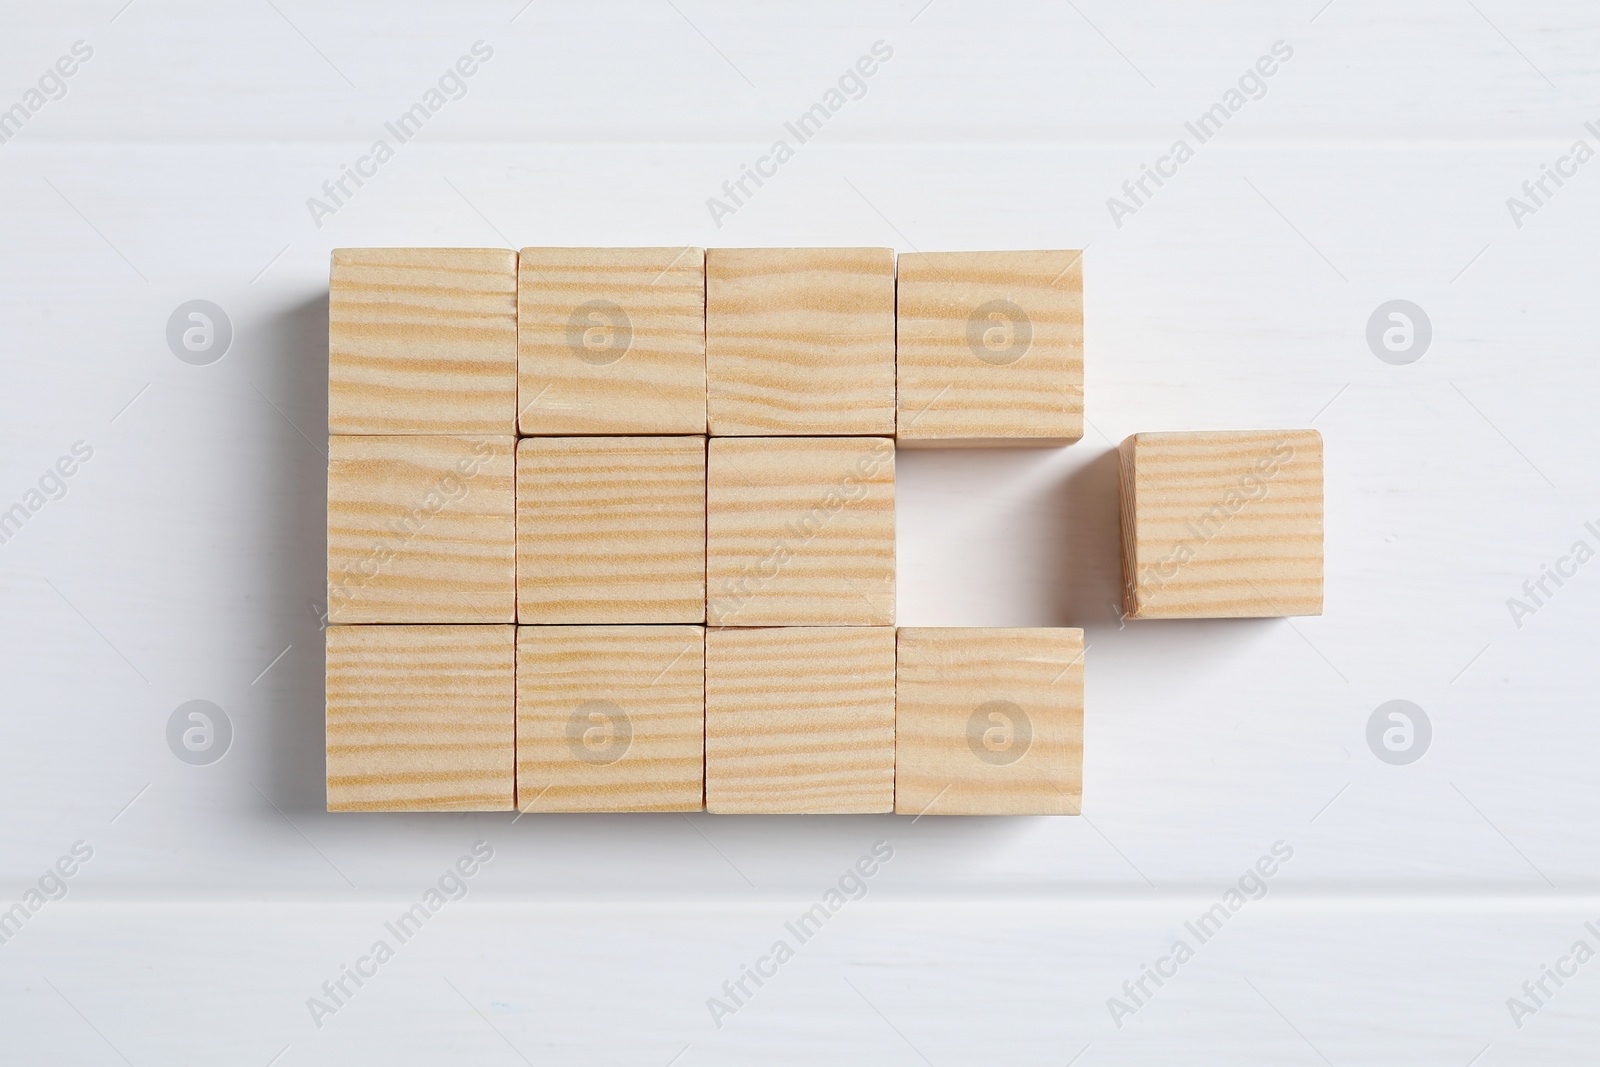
{"type": "Point", "coordinates": [989, 348]}
{"type": "Point", "coordinates": [422, 341]}
{"type": "Point", "coordinates": [421, 530]}
{"type": "Point", "coordinates": [611, 341]}
{"type": "Point", "coordinates": [421, 718]}
{"type": "Point", "coordinates": [610, 718]}
{"type": "Point", "coordinates": [1128, 509]}
{"type": "Point", "coordinates": [611, 529]}
{"type": "Point", "coordinates": [989, 721]}
{"type": "Point", "coordinates": [800, 532]}
{"type": "Point", "coordinates": [800, 341]}
{"type": "Point", "coordinates": [1226, 524]}
{"type": "Point", "coordinates": [800, 720]}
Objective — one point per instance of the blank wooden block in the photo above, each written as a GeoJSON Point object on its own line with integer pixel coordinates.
{"type": "Point", "coordinates": [611, 341]}
{"type": "Point", "coordinates": [610, 718]}
{"type": "Point", "coordinates": [422, 341]}
{"type": "Point", "coordinates": [988, 721]}
{"type": "Point", "coordinates": [421, 718]}
{"type": "Point", "coordinates": [800, 720]}
{"type": "Point", "coordinates": [800, 531]}
{"type": "Point", "coordinates": [421, 529]}
{"type": "Point", "coordinates": [989, 348]}
{"type": "Point", "coordinates": [611, 529]}
{"type": "Point", "coordinates": [800, 341]}
{"type": "Point", "coordinates": [1222, 524]}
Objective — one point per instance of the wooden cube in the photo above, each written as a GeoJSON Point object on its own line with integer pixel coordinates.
{"type": "Point", "coordinates": [800, 531]}
{"type": "Point", "coordinates": [421, 529]}
{"type": "Point", "coordinates": [610, 718]}
{"type": "Point", "coordinates": [800, 720]}
{"type": "Point", "coordinates": [422, 341]}
{"type": "Point", "coordinates": [1222, 524]}
{"type": "Point", "coordinates": [611, 341]}
{"type": "Point", "coordinates": [800, 341]}
{"type": "Point", "coordinates": [421, 718]}
{"type": "Point", "coordinates": [989, 348]}
{"type": "Point", "coordinates": [611, 529]}
{"type": "Point", "coordinates": [988, 721]}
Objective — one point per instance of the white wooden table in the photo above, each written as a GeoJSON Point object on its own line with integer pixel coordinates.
{"type": "Point", "coordinates": [182, 560]}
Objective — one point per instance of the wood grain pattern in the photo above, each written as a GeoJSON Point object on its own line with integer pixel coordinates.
{"type": "Point", "coordinates": [800, 720]}
{"type": "Point", "coordinates": [989, 348]}
{"type": "Point", "coordinates": [611, 529]}
{"type": "Point", "coordinates": [800, 340]}
{"type": "Point", "coordinates": [422, 341]}
{"type": "Point", "coordinates": [421, 718]}
{"type": "Point", "coordinates": [611, 341]}
{"type": "Point", "coordinates": [800, 531]}
{"type": "Point", "coordinates": [988, 721]}
{"type": "Point", "coordinates": [421, 529]}
{"type": "Point", "coordinates": [1222, 524]}
{"type": "Point", "coordinates": [610, 718]}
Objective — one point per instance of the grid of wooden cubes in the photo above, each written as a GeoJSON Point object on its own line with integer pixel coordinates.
{"type": "Point", "coordinates": [676, 589]}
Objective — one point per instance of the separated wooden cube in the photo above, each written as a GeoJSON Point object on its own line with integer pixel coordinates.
{"type": "Point", "coordinates": [421, 529]}
{"type": "Point", "coordinates": [800, 341]}
{"type": "Point", "coordinates": [800, 531]}
{"type": "Point", "coordinates": [611, 529]}
{"type": "Point", "coordinates": [611, 341]}
{"type": "Point", "coordinates": [988, 721]}
{"type": "Point", "coordinates": [610, 718]}
{"type": "Point", "coordinates": [421, 718]}
{"type": "Point", "coordinates": [989, 348]}
{"type": "Point", "coordinates": [800, 720]}
{"type": "Point", "coordinates": [1222, 524]}
{"type": "Point", "coordinates": [422, 341]}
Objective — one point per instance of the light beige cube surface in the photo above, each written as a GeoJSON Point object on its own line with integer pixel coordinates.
{"type": "Point", "coordinates": [1222, 524]}
{"type": "Point", "coordinates": [610, 718]}
{"type": "Point", "coordinates": [611, 529]}
{"type": "Point", "coordinates": [421, 529]}
{"type": "Point", "coordinates": [989, 348]}
{"type": "Point", "coordinates": [421, 718]}
{"type": "Point", "coordinates": [800, 531]}
{"type": "Point", "coordinates": [611, 341]}
{"type": "Point", "coordinates": [800, 341]}
{"type": "Point", "coordinates": [422, 341]}
{"type": "Point", "coordinates": [988, 721]}
{"type": "Point", "coordinates": [800, 720]}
